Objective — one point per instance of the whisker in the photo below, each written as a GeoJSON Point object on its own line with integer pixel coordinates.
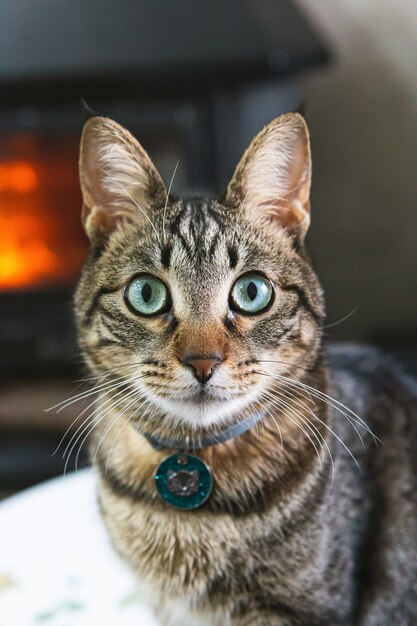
{"type": "Point", "coordinates": [90, 424]}
{"type": "Point", "coordinates": [60, 406]}
{"type": "Point", "coordinates": [265, 407]}
{"type": "Point", "coordinates": [318, 434]}
{"type": "Point", "coordinates": [128, 382]}
{"type": "Point", "coordinates": [96, 391]}
{"type": "Point", "coordinates": [109, 372]}
{"type": "Point", "coordinates": [338, 438]}
{"type": "Point", "coordinates": [279, 403]}
{"type": "Point", "coordinates": [115, 386]}
{"type": "Point", "coordinates": [336, 404]}
{"type": "Point", "coordinates": [342, 319]}
{"type": "Point", "coordinates": [87, 426]}
{"type": "Point", "coordinates": [122, 428]}
{"type": "Point", "coordinates": [339, 406]}
{"type": "Point", "coordinates": [239, 213]}
{"type": "Point", "coordinates": [134, 202]}
{"type": "Point", "coordinates": [166, 200]}
{"type": "Point", "coordinates": [277, 387]}
{"type": "Point", "coordinates": [136, 394]}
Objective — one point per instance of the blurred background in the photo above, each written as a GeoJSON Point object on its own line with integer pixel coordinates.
{"type": "Point", "coordinates": [195, 81]}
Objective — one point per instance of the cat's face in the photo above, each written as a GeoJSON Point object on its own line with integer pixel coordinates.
{"type": "Point", "coordinates": [183, 483]}
{"type": "Point", "coordinates": [195, 306]}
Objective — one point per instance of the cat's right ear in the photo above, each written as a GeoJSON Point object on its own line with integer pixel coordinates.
{"type": "Point", "coordinates": [119, 182]}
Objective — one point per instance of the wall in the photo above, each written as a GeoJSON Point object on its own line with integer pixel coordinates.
{"type": "Point", "coordinates": [363, 116]}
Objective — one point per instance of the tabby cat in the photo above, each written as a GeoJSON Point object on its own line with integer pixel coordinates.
{"type": "Point", "coordinates": [201, 320]}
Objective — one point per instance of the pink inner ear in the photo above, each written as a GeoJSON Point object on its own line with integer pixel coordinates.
{"type": "Point", "coordinates": [99, 220]}
{"type": "Point", "coordinates": [292, 208]}
{"type": "Point", "coordinates": [118, 180]}
{"type": "Point", "coordinates": [277, 176]}
{"type": "Point", "coordinates": [288, 215]}
{"type": "Point", "coordinates": [104, 221]}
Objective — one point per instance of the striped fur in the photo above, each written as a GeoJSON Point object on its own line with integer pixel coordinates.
{"type": "Point", "coordinates": [294, 533]}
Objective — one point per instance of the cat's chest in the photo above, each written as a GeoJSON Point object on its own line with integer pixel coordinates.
{"type": "Point", "coordinates": [192, 566]}
{"type": "Point", "coordinates": [175, 555]}
{"type": "Point", "coordinates": [172, 548]}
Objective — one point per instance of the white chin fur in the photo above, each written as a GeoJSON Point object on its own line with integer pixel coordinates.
{"type": "Point", "coordinates": [213, 412]}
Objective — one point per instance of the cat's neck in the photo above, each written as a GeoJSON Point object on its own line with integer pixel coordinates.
{"type": "Point", "coordinates": [287, 447]}
{"type": "Point", "coordinates": [200, 442]}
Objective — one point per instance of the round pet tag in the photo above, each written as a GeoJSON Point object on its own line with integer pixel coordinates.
{"type": "Point", "coordinates": [183, 481]}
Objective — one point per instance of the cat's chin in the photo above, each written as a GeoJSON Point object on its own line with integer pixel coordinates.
{"type": "Point", "coordinates": [203, 412]}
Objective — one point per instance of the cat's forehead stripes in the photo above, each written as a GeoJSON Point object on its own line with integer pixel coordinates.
{"type": "Point", "coordinates": [166, 251]}
{"type": "Point", "coordinates": [200, 228]}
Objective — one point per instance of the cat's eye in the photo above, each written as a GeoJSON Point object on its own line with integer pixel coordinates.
{"type": "Point", "coordinates": [251, 294]}
{"type": "Point", "coordinates": [147, 295]}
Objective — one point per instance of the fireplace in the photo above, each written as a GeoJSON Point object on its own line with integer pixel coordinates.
{"type": "Point", "coordinates": [42, 246]}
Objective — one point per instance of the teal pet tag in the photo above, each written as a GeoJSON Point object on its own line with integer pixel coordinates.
{"type": "Point", "coordinates": [183, 481]}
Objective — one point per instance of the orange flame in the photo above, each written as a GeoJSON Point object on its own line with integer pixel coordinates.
{"type": "Point", "coordinates": [24, 256]}
{"type": "Point", "coordinates": [17, 176]}
{"type": "Point", "coordinates": [41, 241]}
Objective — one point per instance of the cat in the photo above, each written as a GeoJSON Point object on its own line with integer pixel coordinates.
{"type": "Point", "coordinates": [202, 323]}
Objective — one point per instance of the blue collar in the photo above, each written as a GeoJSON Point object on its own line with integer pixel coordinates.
{"type": "Point", "coordinates": [158, 443]}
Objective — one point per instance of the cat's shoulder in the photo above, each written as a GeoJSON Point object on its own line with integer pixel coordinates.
{"type": "Point", "coordinates": [360, 372]}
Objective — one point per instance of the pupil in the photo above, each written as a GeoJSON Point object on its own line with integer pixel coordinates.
{"type": "Point", "coordinates": [146, 292]}
{"type": "Point", "coordinates": [252, 291]}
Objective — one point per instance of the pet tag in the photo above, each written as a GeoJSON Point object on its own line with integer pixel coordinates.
{"type": "Point", "coordinates": [183, 481]}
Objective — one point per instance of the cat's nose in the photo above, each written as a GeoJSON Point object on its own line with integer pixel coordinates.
{"type": "Point", "coordinates": [203, 366]}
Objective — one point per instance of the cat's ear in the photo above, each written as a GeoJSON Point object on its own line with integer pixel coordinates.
{"type": "Point", "coordinates": [118, 179]}
{"type": "Point", "coordinates": [273, 177]}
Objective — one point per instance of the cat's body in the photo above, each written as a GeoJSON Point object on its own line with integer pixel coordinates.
{"type": "Point", "coordinates": [338, 553]}
{"type": "Point", "coordinates": [294, 532]}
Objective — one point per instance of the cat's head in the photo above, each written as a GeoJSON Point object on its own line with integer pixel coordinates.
{"type": "Point", "coordinates": [194, 308]}
{"type": "Point", "coordinates": [183, 483]}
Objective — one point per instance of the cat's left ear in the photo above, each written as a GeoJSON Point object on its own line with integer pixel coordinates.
{"type": "Point", "coordinates": [119, 182]}
{"type": "Point", "coordinates": [273, 177]}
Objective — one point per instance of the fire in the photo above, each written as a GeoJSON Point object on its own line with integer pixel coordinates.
{"type": "Point", "coordinates": [41, 241]}
{"type": "Point", "coordinates": [18, 177]}
{"type": "Point", "coordinates": [24, 256]}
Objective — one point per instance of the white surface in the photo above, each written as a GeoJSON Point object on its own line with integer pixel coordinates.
{"type": "Point", "coordinates": [57, 567]}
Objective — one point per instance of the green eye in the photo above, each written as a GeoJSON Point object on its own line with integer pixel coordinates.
{"type": "Point", "coordinates": [251, 293]}
{"type": "Point", "coordinates": [147, 295]}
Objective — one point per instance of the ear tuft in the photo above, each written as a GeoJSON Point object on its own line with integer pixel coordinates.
{"type": "Point", "coordinates": [86, 110]}
{"type": "Point", "coordinates": [273, 178]}
{"type": "Point", "coordinates": [118, 179]}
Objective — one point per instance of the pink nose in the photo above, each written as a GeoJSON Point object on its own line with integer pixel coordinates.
{"type": "Point", "coordinates": [203, 366]}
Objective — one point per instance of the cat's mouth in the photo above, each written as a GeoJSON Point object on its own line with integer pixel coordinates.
{"type": "Point", "coordinates": [206, 406]}
{"type": "Point", "coordinates": [208, 395]}
{"type": "Point", "coordinates": [205, 395]}
{"type": "Point", "coordinates": [199, 394]}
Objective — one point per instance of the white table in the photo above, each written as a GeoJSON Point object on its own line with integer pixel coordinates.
{"type": "Point", "coordinates": [57, 567]}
